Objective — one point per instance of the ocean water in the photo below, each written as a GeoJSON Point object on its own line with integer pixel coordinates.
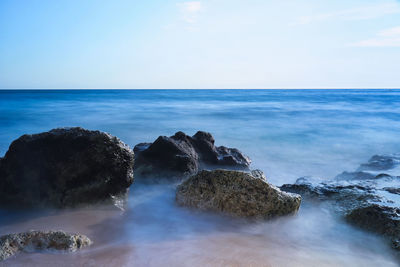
{"type": "Point", "coordinates": [287, 133]}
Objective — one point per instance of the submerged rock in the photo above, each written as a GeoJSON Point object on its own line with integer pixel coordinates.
{"type": "Point", "coordinates": [379, 219]}
{"type": "Point", "coordinates": [393, 190]}
{"type": "Point", "coordinates": [181, 155]}
{"type": "Point", "coordinates": [381, 163]}
{"type": "Point", "coordinates": [236, 193]}
{"type": "Point", "coordinates": [362, 197]}
{"type": "Point", "coordinates": [65, 167]}
{"type": "Point", "coordinates": [40, 241]}
{"type": "Point", "coordinates": [358, 175]}
{"type": "Point", "coordinates": [346, 195]}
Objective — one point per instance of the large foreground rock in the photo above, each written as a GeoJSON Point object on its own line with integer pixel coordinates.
{"type": "Point", "coordinates": [367, 198]}
{"type": "Point", "coordinates": [181, 155]}
{"type": "Point", "coordinates": [39, 241]}
{"type": "Point", "coordinates": [236, 193]}
{"type": "Point", "coordinates": [65, 167]}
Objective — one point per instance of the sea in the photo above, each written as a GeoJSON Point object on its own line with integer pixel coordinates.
{"type": "Point", "coordinates": [288, 134]}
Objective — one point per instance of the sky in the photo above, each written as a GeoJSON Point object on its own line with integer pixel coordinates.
{"type": "Point", "coordinates": [71, 44]}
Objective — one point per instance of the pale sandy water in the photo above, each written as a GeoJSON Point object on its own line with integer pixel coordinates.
{"type": "Point", "coordinates": [153, 231]}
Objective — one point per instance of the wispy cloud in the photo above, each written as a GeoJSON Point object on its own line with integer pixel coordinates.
{"type": "Point", "coordinates": [386, 38]}
{"type": "Point", "coordinates": [190, 11]}
{"type": "Point", "coordinates": [359, 13]}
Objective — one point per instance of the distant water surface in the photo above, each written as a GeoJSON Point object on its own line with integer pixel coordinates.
{"type": "Point", "coordinates": [287, 133]}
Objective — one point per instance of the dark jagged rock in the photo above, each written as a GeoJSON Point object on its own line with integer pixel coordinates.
{"type": "Point", "coordinates": [361, 205]}
{"type": "Point", "coordinates": [375, 165]}
{"type": "Point", "coordinates": [232, 157]}
{"type": "Point", "coordinates": [360, 196]}
{"type": "Point", "coordinates": [379, 219]}
{"type": "Point", "coordinates": [180, 156]}
{"type": "Point", "coordinates": [380, 162]}
{"type": "Point", "coordinates": [65, 167]}
{"type": "Point", "coordinates": [204, 145]}
{"type": "Point", "coordinates": [236, 193]}
{"type": "Point", "coordinates": [140, 147]}
{"type": "Point", "coordinates": [39, 241]}
{"type": "Point", "coordinates": [393, 190]}
{"type": "Point", "coordinates": [329, 191]}
{"type": "Point", "coordinates": [169, 156]}
{"type": "Point", "coordinates": [303, 189]}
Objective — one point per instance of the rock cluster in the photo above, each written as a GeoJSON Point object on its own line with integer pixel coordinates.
{"type": "Point", "coordinates": [41, 241]}
{"type": "Point", "coordinates": [69, 167]}
{"type": "Point", "coordinates": [236, 193]}
{"type": "Point", "coordinates": [181, 155]}
{"type": "Point", "coordinates": [362, 197]}
{"type": "Point", "coordinates": [65, 167]}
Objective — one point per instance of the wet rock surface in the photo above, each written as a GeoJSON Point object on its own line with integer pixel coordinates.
{"type": "Point", "coordinates": [381, 163]}
{"type": "Point", "coordinates": [41, 241]}
{"type": "Point", "coordinates": [65, 167]}
{"type": "Point", "coordinates": [393, 190]}
{"type": "Point", "coordinates": [377, 218]}
{"type": "Point", "coordinates": [367, 198]}
{"type": "Point", "coordinates": [180, 156]}
{"type": "Point", "coordinates": [236, 193]}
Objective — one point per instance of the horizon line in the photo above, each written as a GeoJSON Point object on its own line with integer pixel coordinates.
{"type": "Point", "coordinates": [330, 88]}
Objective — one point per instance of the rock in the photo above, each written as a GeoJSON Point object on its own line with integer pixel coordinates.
{"type": "Point", "coordinates": [259, 174]}
{"type": "Point", "coordinates": [140, 147]}
{"type": "Point", "coordinates": [305, 190]}
{"type": "Point", "coordinates": [236, 193]}
{"type": "Point", "coordinates": [203, 143]}
{"type": "Point", "coordinates": [232, 157]}
{"type": "Point", "coordinates": [65, 167]}
{"type": "Point", "coordinates": [180, 156]}
{"type": "Point", "coordinates": [358, 175]}
{"type": "Point", "coordinates": [169, 156]}
{"type": "Point", "coordinates": [41, 242]}
{"type": "Point", "coordinates": [393, 190]}
{"type": "Point", "coordinates": [330, 191]}
{"type": "Point", "coordinates": [361, 197]}
{"type": "Point", "coordinates": [381, 162]}
{"type": "Point", "coordinates": [379, 219]}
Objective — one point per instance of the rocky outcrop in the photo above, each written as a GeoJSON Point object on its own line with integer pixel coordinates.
{"type": "Point", "coordinates": [381, 163]}
{"type": "Point", "coordinates": [236, 193]}
{"type": "Point", "coordinates": [362, 197]}
{"type": "Point", "coordinates": [393, 190]}
{"type": "Point", "coordinates": [65, 167]}
{"type": "Point", "coordinates": [379, 219]}
{"type": "Point", "coordinates": [180, 156]}
{"type": "Point", "coordinates": [39, 241]}
{"type": "Point", "coordinates": [169, 156]}
{"type": "Point", "coordinates": [344, 195]}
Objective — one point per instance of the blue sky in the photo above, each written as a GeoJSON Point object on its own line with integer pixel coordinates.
{"type": "Point", "coordinates": [199, 44]}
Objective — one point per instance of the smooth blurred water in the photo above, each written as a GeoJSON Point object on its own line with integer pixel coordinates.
{"type": "Point", "coordinates": [287, 133]}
